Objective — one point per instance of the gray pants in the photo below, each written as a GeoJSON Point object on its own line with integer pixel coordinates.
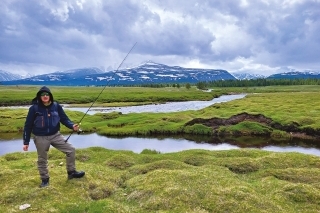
{"type": "Point", "coordinates": [57, 140]}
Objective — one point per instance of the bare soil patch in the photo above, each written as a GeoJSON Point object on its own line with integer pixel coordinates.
{"type": "Point", "coordinates": [294, 129]}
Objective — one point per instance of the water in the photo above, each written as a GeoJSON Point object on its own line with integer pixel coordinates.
{"type": "Point", "coordinates": [163, 145]}
{"type": "Point", "coordinates": [157, 108]}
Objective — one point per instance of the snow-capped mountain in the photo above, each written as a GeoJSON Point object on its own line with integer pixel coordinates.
{"type": "Point", "coordinates": [295, 75]}
{"type": "Point", "coordinates": [80, 72]}
{"type": "Point", "coordinates": [147, 73]}
{"type": "Point", "coordinates": [28, 75]}
{"type": "Point", "coordinates": [66, 75]}
{"type": "Point", "coordinates": [7, 76]}
{"type": "Point", "coordinates": [247, 76]}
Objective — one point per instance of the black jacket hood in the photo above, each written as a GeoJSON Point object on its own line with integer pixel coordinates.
{"type": "Point", "coordinates": [37, 99]}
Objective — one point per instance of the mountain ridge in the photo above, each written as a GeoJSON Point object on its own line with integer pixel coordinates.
{"type": "Point", "coordinates": [295, 74]}
{"type": "Point", "coordinates": [7, 76]}
{"type": "Point", "coordinates": [148, 72]}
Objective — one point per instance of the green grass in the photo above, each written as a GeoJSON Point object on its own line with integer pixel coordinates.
{"type": "Point", "coordinates": [111, 96]}
{"type": "Point", "coordinates": [247, 128]}
{"type": "Point", "coordinates": [282, 107]}
{"type": "Point", "coordinates": [188, 181]}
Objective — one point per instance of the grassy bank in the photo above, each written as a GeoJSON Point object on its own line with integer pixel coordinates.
{"type": "Point", "coordinates": [188, 181]}
{"type": "Point", "coordinates": [111, 96]}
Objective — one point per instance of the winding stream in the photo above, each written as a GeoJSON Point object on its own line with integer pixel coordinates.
{"type": "Point", "coordinates": [157, 108]}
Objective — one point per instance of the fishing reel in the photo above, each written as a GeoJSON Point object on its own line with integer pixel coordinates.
{"type": "Point", "coordinates": [79, 131]}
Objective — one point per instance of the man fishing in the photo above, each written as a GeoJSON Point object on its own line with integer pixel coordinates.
{"type": "Point", "coordinates": [43, 120]}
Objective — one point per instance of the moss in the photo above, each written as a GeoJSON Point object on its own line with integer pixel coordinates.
{"type": "Point", "coordinates": [247, 128]}
{"type": "Point", "coordinates": [198, 129]}
{"type": "Point", "coordinates": [243, 180]}
{"type": "Point", "coordinates": [121, 161]}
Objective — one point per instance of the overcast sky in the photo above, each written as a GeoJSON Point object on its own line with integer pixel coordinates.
{"type": "Point", "coordinates": [260, 36]}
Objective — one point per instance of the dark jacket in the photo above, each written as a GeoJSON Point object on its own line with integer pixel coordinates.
{"type": "Point", "coordinates": [44, 120]}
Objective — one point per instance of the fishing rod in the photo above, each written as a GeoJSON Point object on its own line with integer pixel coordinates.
{"type": "Point", "coordinates": [79, 131]}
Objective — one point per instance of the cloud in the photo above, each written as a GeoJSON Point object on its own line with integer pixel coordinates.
{"type": "Point", "coordinates": [256, 36]}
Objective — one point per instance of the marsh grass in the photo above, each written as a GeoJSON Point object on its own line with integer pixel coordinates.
{"type": "Point", "coordinates": [283, 108]}
{"type": "Point", "coordinates": [188, 181]}
{"type": "Point", "coordinates": [247, 128]}
{"type": "Point", "coordinates": [111, 96]}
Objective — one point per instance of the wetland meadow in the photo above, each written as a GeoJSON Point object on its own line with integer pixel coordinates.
{"type": "Point", "coordinates": [242, 180]}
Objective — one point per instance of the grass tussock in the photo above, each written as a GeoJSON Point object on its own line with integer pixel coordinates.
{"type": "Point", "coordinates": [188, 181]}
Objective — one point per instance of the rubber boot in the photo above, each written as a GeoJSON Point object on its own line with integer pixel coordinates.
{"type": "Point", "coordinates": [75, 174]}
{"type": "Point", "coordinates": [44, 183]}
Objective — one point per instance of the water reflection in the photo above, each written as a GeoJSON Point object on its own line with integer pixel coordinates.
{"type": "Point", "coordinates": [169, 144]}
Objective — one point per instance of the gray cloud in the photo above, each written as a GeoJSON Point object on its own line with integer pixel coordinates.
{"type": "Point", "coordinates": [257, 36]}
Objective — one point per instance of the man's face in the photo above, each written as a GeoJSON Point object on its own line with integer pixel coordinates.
{"type": "Point", "coordinates": [45, 97]}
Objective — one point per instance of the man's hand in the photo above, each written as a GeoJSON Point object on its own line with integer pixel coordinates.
{"type": "Point", "coordinates": [25, 147]}
{"type": "Point", "coordinates": [75, 127]}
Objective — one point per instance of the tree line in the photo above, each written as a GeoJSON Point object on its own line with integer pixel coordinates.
{"type": "Point", "coordinates": [235, 83]}
{"type": "Point", "coordinates": [226, 83]}
{"type": "Point", "coordinates": [256, 83]}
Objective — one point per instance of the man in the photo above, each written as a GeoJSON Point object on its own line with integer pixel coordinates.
{"type": "Point", "coordinates": [43, 120]}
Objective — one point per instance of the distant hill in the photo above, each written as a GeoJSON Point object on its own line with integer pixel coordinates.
{"type": "Point", "coordinates": [147, 73]}
{"type": "Point", "coordinates": [7, 76]}
{"type": "Point", "coordinates": [66, 75]}
{"type": "Point", "coordinates": [295, 75]}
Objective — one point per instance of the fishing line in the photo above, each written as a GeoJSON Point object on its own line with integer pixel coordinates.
{"type": "Point", "coordinates": [79, 131]}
